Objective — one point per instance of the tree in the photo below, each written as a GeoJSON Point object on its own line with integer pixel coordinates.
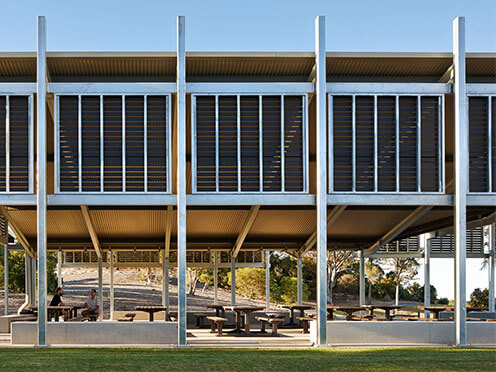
{"type": "Point", "coordinates": [479, 298]}
{"type": "Point", "coordinates": [288, 288]}
{"type": "Point", "coordinates": [374, 273]}
{"type": "Point", "coordinates": [338, 263]}
{"type": "Point", "coordinates": [193, 277]}
{"type": "Point", "coordinates": [404, 269]}
{"type": "Point", "coordinates": [250, 282]}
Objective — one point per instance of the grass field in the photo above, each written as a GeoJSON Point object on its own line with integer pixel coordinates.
{"type": "Point", "coordinates": [329, 359]}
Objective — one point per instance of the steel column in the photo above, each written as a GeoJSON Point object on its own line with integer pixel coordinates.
{"type": "Point", "coordinates": [59, 269]}
{"type": "Point", "coordinates": [100, 288]}
{"type": "Point", "coordinates": [427, 271]}
{"type": "Point", "coordinates": [32, 276]}
{"type": "Point", "coordinates": [216, 278]}
{"type": "Point", "coordinates": [461, 180]}
{"type": "Point", "coordinates": [111, 295]}
{"type": "Point", "coordinates": [6, 279]}
{"type": "Point", "coordinates": [321, 197]}
{"type": "Point", "coordinates": [233, 281]}
{"type": "Point", "coordinates": [492, 249]}
{"type": "Point", "coordinates": [41, 191]}
{"type": "Point", "coordinates": [362, 279]}
{"type": "Point", "coordinates": [267, 281]}
{"type": "Point", "coordinates": [300, 281]}
{"type": "Point", "coordinates": [165, 284]}
{"type": "Point", "coordinates": [181, 180]}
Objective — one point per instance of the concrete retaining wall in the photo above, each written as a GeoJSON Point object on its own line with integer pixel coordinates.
{"type": "Point", "coordinates": [6, 320]}
{"type": "Point", "coordinates": [107, 332]}
{"type": "Point", "coordinates": [403, 332]}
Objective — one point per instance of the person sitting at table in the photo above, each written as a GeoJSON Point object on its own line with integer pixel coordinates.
{"type": "Point", "coordinates": [57, 301]}
{"type": "Point", "coordinates": [91, 305]}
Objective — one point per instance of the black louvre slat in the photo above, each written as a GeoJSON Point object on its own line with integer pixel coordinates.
{"type": "Point", "coordinates": [157, 142]}
{"type": "Point", "coordinates": [408, 143]}
{"type": "Point", "coordinates": [293, 143]}
{"type": "Point", "coordinates": [364, 160]}
{"type": "Point", "coordinates": [90, 130]}
{"type": "Point", "coordinates": [430, 144]}
{"type": "Point", "coordinates": [386, 143]}
{"type": "Point", "coordinates": [205, 142]}
{"type": "Point", "coordinates": [228, 143]}
{"type": "Point", "coordinates": [3, 160]}
{"type": "Point", "coordinates": [478, 146]}
{"type": "Point", "coordinates": [250, 146]}
{"type": "Point", "coordinates": [135, 143]}
{"type": "Point", "coordinates": [271, 121]}
{"type": "Point", "coordinates": [112, 146]}
{"type": "Point", "coordinates": [19, 143]}
{"type": "Point", "coordinates": [493, 142]}
{"type": "Point", "coordinates": [342, 137]}
{"type": "Point", "coordinates": [68, 134]}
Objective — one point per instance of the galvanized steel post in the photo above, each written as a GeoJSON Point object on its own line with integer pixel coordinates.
{"type": "Point", "coordinates": [59, 268]}
{"type": "Point", "coordinates": [321, 134]}
{"type": "Point", "coordinates": [492, 247]}
{"type": "Point", "coordinates": [461, 180]}
{"type": "Point", "coordinates": [100, 288]}
{"type": "Point", "coordinates": [181, 179]}
{"type": "Point", "coordinates": [216, 278]}
{"type": "Point", "coordinates": [233, 281]}
{"type": "Point", "coordinates": [111, 285]}
{"type": "Point", "coordinates": [41, 192]}
{"type": "Point", "coordinates": [426, 242]}
{"type": "Point", "coordinates": [6, 279]}
{"type": "Point", "coordinates": [300, 281]}
{"type": "Point", "coordinates": [362, 279]}
{"type": "Point", "coordinates": [267, 281]}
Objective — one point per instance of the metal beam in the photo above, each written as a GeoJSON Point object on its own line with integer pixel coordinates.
{"type": "Point", "coordinates": [447, 76]}
{"type": "Point", "coordinates": [112, 88]}
{"type": "Point", "coordinates": [91, 229]}
{"type": "Point", "coordinates": [250, 220]}
{"type": "Point", "coordinates": [321, 176]}
{"type": "Point", "coordinates": [388, 88]}
{"type": "Point", "coordinates": [41, 171]}
{"type": "Point", "coordinates": [398, 229]}
{"type": "Point", "coordinates": [168, 230]}
{"type": "Point", "coordinates": [332, 216]}
{"type": "Point", "coordinates": [413, 199]}
{"type": "Point", "coordinates": [461, 180]}
{"type": "Point", "coordinates": [181, 179]}
{"type": "Point", "coordinates": [121, 199]}
{"type": "Point", "coordinates": [251, 199]}
{"type": "Point", "coordinates": [240, 88]}
{"type": "Point", "coordinates": [18, 233]}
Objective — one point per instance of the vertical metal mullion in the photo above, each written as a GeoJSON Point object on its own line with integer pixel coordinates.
{"type": "Point", "coordinates": [102, 162]}
{"type": "Point", "coordinates": [7, 143]}
{"type": "Point", "coordinates": [489, 144]}
{"type": "Point", "coordinates": [419, 144]}
{"type": "Point", "coordinates": [353, 143]}
{"type": "Point", "coordinates": [145, 142]}
{"type": "Point", "coordinates": [397, 147]}
{"type": "Point", "coordinates": [260, 141]}
{"type": "Point", "coordinates": [283, 173]}
{"type": "Point", "coordinates": [330, 156]}
{"type": "Point", "coordinates": [441, 143]}
{"type": "Point", "coordinates": [56, 159]}
{"type": "Point", "coordinates": [238, 136]}
{"type": "Point", "coordinates": [376, 165]}
{"type": "Point", "coordinates": [216, 143]}
{"type": "Point", "coordinates": [80, 146]}
{"type": "Point", "coordinates": [123, 126]}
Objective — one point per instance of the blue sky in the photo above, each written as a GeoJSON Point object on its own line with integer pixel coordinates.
{"type": "Point", "coordinates": [258, 25]}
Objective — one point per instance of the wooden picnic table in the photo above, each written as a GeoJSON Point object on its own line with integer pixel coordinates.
{"type": "Point", "coordinates": [54, 311]}
{"type": "Point", "coordinates": [435, 310]}
{"type": "Point", "coordinates": [74, 310]}
{"type": "Point", "coordinates": [387, 309]}
{"type": "Point", "coordinates": [247, 310]}
{"type": "Point", "coordinates": [349, 310]}
{"type": "Point", "coordinates": [292, 308]}
{"type": "Point", "coordinates": [219, 309]}
{"type": "Point", "coordinates": [152, 309]}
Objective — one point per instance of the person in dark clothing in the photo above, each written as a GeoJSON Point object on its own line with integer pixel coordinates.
{"type": "Point", "coordinates": [57, 301]}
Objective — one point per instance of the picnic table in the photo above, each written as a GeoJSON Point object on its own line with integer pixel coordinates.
{"type": "Point", "coordinates": [74, 310]}
{"type": "Point", "coordinates": [292, 309]}
{"type": "Point", "coordinates": [218, 309]}
{"type": "Point", "coordinates": [435, 310]}
{"type": "Point", "coordinates": [247, 310]}
{"type": "Point", "coordinates": [349, 310]}
{"type": "Point", "coordinates": [387, 309]}
{"type": "Point", "coordinates": [54, 311]}
{"type": "Point", "coordinates": [152, 309]}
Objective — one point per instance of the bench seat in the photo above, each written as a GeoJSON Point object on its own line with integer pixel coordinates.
{"type": "Point", "coordinates": [216, 322]}
{"type": "Point", "coordinates": [275, 321]}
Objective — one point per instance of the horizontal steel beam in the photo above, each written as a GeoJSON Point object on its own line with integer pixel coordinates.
{"type": "Point", "coordinates": [258, 88]}
{"type": "Point", "coordinates": [487, 199]}
{"type": "Point", "coordinates": [389, 199]}
{"type": "Point", "coordinates": [126, 199]}
{"type": "Point", "coordinates": [12, 199]}
{"type": "Point", "coordinates": [388, 88]}
{"type": "Point", "coordinates": [111, 88]}
{"type": "Point", "coordinates": [482, 89]}
{"type": "Point", "coordinates": [17, 88]}
{"type": "Point", "coordinates": [250, 199]}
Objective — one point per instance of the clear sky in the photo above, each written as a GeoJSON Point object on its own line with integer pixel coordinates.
{"type": "Point", "coordinates": [258, 25]}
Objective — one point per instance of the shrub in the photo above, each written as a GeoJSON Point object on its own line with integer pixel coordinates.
{"type": "Point", "coordinates": [250, 282]}
{"type": "Point", "coordinates": [443, 301]}
{"type": "Point", "coordinates": [288, 287]}
{"type": "Point", "coordinates": [479, 298]}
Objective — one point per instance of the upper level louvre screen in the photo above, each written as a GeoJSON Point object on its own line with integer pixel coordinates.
{"type": "Point", "coordinates": [249, 143]}
{"type": "Point", "coordinates": [113, 143]}
{"type": "Point", "coordinates": [386, 143]}
{"type": "Point", "coordinates": [482, 144]}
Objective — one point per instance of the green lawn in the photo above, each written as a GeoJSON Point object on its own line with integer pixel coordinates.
{"type": "Point", "coordinates": [267, 360]}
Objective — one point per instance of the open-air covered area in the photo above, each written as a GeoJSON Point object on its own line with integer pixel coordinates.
{"type": "Point", "coordinates": [171, 163]}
